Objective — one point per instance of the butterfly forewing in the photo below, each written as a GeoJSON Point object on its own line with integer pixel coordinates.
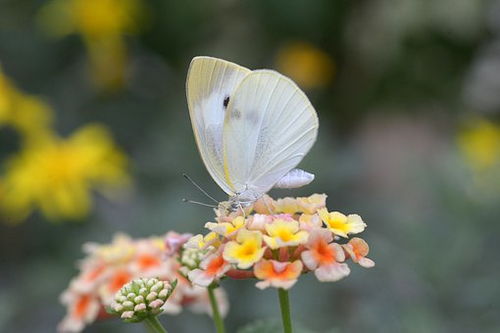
{"type": "Point", "coordinates": [269, 127]}
{"type": "Point", "coordinates": [210, 85]}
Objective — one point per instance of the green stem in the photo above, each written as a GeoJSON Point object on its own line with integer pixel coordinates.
{"type": "Point", "coordinates": [154, 325]}
{"type": "Point", "coordinates": [285, 310]}
{"type": "Point", "coordinates": [219, 323]}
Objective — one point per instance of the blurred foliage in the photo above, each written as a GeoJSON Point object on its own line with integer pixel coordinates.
{"type": "Point", "coordinates": [269, 326]}
{"type": "Point", "coordinates": [411, 107]}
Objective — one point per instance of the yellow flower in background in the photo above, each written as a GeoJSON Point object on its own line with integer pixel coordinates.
{"type": "Point", "coordinates": [93, 19]}
{"type": "Point", "coordinates": [56, 175]}
{"type": "Point", "coordinates": [102, 25]}
{"type": "Point", "coordinates": [480, 145]}
{"type": "Point", "coordinates": [27, 114]}
{"type": "Point", "coordinates": [306, 64]}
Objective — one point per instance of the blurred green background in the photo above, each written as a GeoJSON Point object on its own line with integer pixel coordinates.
{"type": "Point", "coordinates": [408, 96]}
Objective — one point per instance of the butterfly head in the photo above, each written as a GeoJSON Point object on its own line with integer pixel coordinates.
{"type": "Point", "coordinates": [239, 202]}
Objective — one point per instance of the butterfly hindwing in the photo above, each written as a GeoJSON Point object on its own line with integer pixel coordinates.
{"type": "Point", "coordinates": [269, 127]}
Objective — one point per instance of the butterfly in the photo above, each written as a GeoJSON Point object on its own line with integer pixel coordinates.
{"type": "Point", "coordinates": [252, 128]}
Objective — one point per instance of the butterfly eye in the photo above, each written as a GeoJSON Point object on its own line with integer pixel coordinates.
{"type": "Point", "coordinates": [226, 101]}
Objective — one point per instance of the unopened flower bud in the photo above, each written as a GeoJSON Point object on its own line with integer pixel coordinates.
{"type": "Point", "coordinates": [141, 298]}
{"type": "Point", "coordinates": [152, 296]}
{"type": "Point", "coordinates": [156, 303]}
{"type": "Point", "coordinates": [127, 314]}
{"type": "Point", "coordinates": [163, 294]}
{"type": "Point", "coordinates": [140, 307]}
{"type": "Point", "coordinates": [191, 257]}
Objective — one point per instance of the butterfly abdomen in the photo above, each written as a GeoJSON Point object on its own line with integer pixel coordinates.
{"type": "Point", "coordinates": [295, 178]}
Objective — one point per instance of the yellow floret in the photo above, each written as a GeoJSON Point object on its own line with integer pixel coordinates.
{"type": "Point", "coordinates": [284, 233]}
{"type": "Point", "coordinates": [340, 224]}
{"type": "Point", "coordinates": [246, 250]}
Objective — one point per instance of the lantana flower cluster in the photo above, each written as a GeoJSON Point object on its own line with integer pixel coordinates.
{"type": "Point", "coordinates": [276, 241]}
{"type": "Point", "coordinates": [107, 268]}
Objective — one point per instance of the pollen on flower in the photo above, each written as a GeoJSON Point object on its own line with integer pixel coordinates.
{"type": "Point", "coordinates": [278, 240]}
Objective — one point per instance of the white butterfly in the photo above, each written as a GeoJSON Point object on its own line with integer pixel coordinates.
{"type": "Point", "coordinates": [252, 128]}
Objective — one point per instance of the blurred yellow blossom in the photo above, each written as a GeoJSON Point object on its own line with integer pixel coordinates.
{"type": "Point", "coordinates": [102, 25]}
{"type": "Point", "coordinates": [56, 175]}
{"type": "Point", "coordinates": [480, 144]}
{"type": "Point", "coordinates": [27, 114]}
{"type": "Point", "coordinates": [306, 64]}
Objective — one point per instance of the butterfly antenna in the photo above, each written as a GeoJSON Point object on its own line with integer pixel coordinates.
{"type": "Point", "coordinates": [198, 203]}
{"type": "Point", "coordinates": [199, 188]}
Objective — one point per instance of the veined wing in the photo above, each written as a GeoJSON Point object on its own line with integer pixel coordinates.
{"type": "Point", "coordinates": [270, 125]}
{"type": "Point", "coordinates": [209, 88]}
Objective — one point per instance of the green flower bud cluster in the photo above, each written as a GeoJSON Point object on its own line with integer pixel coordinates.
{"type": "Point", "coordinates": [141, 298]}
{"type": "Point", "coordinates": [191, 258]}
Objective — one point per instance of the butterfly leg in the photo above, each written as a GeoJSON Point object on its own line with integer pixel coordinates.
{"type": "Point", "coordinates": [242, 210]}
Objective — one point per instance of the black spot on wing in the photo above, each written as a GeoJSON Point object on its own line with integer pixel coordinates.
{"type": "Point", "coordinates": [226, 102]}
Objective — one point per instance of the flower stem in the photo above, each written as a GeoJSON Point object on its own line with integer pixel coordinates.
{"type": "Point", "coordinates": [219, 323]}
{"type": "Point", "coordinates": [285, 310]}
{"type": "Point", "coordinates": [154, 325]}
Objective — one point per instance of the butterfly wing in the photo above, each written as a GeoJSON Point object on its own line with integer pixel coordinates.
{"type": "Point", "coordinates": [269, 127]}
{"type": "Point", "coordinates": [209, 87]}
